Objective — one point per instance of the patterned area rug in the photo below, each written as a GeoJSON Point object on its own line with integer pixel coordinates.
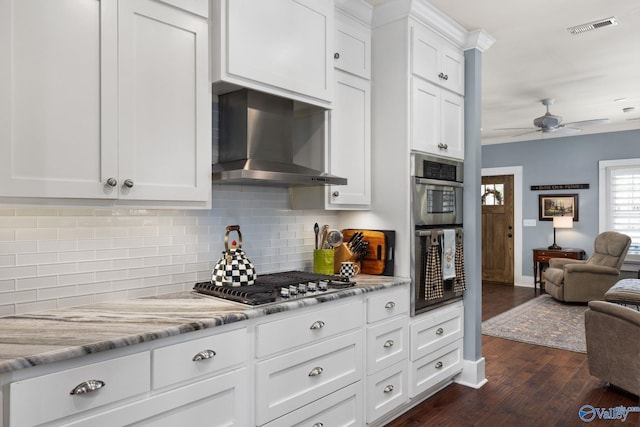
{"type": "Point", "coordinates": [541, 321]}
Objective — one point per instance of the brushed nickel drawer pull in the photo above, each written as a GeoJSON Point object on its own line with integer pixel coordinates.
{"type": "Point", "coordinates": [204, 355]}
{"type": "Point", "coordinates": [389, 343]}
{"type": "Point", "coordinates": [390, 304]}
{"type": "Point", "coordinates": [87, 387]}
{"type": "Point", "coordinates": [388, 389]}
{"type": "Point", "coordinates": [439, 331]}
{"type": "Point", "coordinates": [318, 324]}
{"type": "Point", "coordinates": [316, 371]}
{"type": "Point", "coordinates": [439, 365]}
{"type": "Point", "coordinates": [318, 425]}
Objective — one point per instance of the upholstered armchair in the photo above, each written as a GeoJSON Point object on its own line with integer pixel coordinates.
{"type": "Point", "coordinates": [613, 344]}
{"type": "Point", "coordinates": [582, 281]}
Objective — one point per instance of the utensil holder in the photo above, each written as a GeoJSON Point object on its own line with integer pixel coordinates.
{"type": "Point", "coordinates": [323, 261]}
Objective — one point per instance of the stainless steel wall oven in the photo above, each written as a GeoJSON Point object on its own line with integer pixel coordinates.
{"type": "Point", "coordinates": [437, 264]}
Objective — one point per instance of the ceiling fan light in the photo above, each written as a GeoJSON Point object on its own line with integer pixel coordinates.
{"type": "Point", "coordinates": [590, 26]}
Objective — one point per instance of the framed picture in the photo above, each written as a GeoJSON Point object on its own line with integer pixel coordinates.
{"type": "Point", "coordinates": [550, 205]}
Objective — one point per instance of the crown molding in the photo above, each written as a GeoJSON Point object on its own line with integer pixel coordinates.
{"type": "Point", "coordinates": [422, 11]}
{"type": "Point", "coordinates": [360, 10]}
{"type": "Point", "coordinates": [479, 39]}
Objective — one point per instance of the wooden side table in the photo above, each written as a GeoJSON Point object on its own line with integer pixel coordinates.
{"type": "Point", "coordinates": [541, 257]}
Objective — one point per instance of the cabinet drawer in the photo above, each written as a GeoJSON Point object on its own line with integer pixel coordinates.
{"type": "Point", "coordinates": [386, 390]}
{"type": "Point", "coordinates": [199, 357]}
{"type": "Point", "coordinates": [387, 343]}
{"type": "Point", "coordinates": [353, 49]}
{"type": "Point", "coordinates": [293, 331]}
{"type": "Point", "coordinates": [123, 377]}
{"type": "Point", "coordinates": [191, 405]}
{"type": "Point", "coordinates": [439, 366]}
{"type": "Point", "coordinates": [295, 379]}
{"type": "Point", "coordinates": [342, 408]}
{"type": "Point", "coordinates": [436, 329]}
{"type": "Point", "coordinates": [385, 305]}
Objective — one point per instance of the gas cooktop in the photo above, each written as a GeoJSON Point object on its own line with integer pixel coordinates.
{"type": "Point", "coordinates": [276, 287]}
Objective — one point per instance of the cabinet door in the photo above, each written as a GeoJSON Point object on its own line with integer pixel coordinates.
{"type": "Point", "coordinates": [435, 59]}
{"type": "Point", "coordinates": [425, 116]}
{"type": "Point", "coordinates": [57, 77]}
{"type": "Point", "coordinates": [164, 103]}
{"type": "Point", "coordinates": [452, 125]}
{"type": "Point", "coordinates": [281, 43]}
{"type": "Point", "coordinates": [353, 47]}
{"type": "Point", "coordinates": [350, 142]}
{"type": "Point", "coordinates": [216, 401]}
{"type": "Point", "coordinates": [453, 68]}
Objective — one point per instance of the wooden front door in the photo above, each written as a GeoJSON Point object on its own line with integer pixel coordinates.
{"type": "Point", "coordinates": [497, 229]}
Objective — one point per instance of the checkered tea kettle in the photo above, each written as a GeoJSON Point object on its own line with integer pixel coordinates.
{"type": "Point", "coordinates": [234, 268]}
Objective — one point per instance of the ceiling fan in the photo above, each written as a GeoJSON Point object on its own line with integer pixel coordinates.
{"type": "Point", "coordinates": [549, 123]}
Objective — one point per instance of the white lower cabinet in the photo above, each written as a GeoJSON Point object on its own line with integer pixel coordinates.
{"type": "Point", "coordinates": [185, 383]}
{"type": "Point", "coordinates": [312, 355]}
{"type": "Point", "coordinates": [341, 408]}
{"type": "Point", "coordinates": [436, 347]}
{"type": "Point", "coordinates": [387, 390]}
{"type": "Point", "coordinates": [387, 352]}
{"type": "Point", "coordinates": [217, 401]}
{"type": "Point", "coordinates": [68, 392]}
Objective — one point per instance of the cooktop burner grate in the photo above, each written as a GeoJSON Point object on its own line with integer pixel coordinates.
{"type": "Point", "coordinates": [269, 287]}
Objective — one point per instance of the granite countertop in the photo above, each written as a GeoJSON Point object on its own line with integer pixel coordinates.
{"type": "Point", "coordinates": [51, 336]}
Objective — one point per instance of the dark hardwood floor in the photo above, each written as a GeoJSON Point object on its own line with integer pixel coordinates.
{"type": "Point", "coordinates": [528, 385]}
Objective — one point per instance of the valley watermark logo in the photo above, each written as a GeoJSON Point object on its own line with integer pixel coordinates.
{"type": "Point", "coordinates": [588, 413]}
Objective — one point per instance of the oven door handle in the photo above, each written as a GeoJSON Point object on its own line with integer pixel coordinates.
{"type": "Point", "coordinates": [439, 183]}
{"type": "Point", "coordinates": [427, 232]}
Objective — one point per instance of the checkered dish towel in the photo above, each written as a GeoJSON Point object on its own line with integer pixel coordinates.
{"type": "Point", "coordinates": [433, 274]}
{"type": "Point", "coordinates": [460, 282]}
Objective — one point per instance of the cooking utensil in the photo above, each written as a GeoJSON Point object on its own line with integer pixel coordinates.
{"type": "Point", "coordinates": [334, 238]}
{"type": "Point", "coordinates": [324, 232]}
{"type": "Point", "coordinates": [316, 229]}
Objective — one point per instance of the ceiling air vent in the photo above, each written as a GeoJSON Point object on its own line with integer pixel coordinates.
{"type": "Point", "coordinates": [579, 29]}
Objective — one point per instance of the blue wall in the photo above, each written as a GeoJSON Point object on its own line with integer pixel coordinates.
{"type": "Point", "coordinates": [567, 160]}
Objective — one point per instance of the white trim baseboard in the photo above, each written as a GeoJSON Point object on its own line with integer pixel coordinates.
{"type": "Point", "coordinates": [472, 374]}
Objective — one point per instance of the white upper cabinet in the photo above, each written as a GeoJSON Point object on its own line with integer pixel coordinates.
{"type": "Point", "coordinates": [437, 120]}
{"type": "Point", "coordinates": [283, 47]}
{"type": "Point", "coordinates": [57, 78]}
{"type": "Point", "coordinates": [104, 101]}
{"type": "Point", "coordinates": [435, 59]}
{"type": "Point", "coordinates": [350, 143]}
{"type": "Point", "coordinates": [164, 102]}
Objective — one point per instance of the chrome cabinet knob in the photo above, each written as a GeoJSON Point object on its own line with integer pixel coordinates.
{"type": "Point", "coordinates": [128, 183]}
{"type": "Point", "coordinates": [112, 182]}
{"type": "Point", "coordinates": [446, 77]}
{"type": "Point", "coordinates": [336, 55]}
{"type": "Point", "coordinates": [439, 365]}
{"type": "Point", "coordinates": [335, 193]}
{"type": "Point", "coordinates": [388, 389]}
{"type": "Point", "coordinates": [441, 75]}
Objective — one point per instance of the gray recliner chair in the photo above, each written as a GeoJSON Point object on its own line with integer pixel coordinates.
{"type": "Point", "coordinates": [582, 281]}
{"type": "Point", "coordinates": [613, 344]}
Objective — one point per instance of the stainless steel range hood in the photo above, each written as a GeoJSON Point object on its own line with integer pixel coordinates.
{"type": "Point", "coordinates": [256, 143]}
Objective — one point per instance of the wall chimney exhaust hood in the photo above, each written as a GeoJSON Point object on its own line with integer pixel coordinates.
{"type": "Point", "coordinates": [256, 143]}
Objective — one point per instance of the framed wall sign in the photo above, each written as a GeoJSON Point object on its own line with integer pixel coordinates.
{"type": "Point", "coordinates": [550, 205]}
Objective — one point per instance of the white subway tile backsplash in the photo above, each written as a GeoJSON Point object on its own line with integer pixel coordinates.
{"type": "Point", "coordinates": [7, 286]}
{"type": "Point", "coordinates": [60, 257]}
{"type": "Point", "coordinates": [18, 272]}
{"type": "Point", "coordinates": [57, 292]}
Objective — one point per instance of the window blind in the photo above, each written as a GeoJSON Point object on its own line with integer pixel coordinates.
{"type": "Point", "coordinates": [624, 204]}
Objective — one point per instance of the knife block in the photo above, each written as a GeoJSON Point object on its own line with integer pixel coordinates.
{"type": "Point", "coordinates": [343, 254]}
